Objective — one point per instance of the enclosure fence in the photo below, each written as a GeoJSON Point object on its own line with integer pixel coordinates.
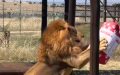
{"type": "Point", "coordinates": [20, 24]}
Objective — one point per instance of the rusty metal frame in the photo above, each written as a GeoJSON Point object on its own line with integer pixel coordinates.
{"type": "Point", "coordinates": [66, 10]}
{"type": "Point", "coordinates": [44, 16]}
{"type": "Point", "coordinates": [20, 16]}
{"type": "Point", "coordinates": [71, 14]}
{"type": "Point", "coordinates": [3, 14]}
{"type": "Point", "coordinates": [94, 37]}
{"type": "Point", "coordinates": [85, 11]}
{"type": "Point", "coordinates": [105, 7]}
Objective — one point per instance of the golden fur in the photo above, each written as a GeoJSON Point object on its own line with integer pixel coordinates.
{"type": "Point", "coordinates": [61, 49]}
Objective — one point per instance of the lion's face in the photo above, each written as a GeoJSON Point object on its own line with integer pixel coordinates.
{"type": "Point", "coordinates": [59, 39]}
{"type": "Point", "coordinates": [60, 33]}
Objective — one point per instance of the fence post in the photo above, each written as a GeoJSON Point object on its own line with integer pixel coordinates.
{"type": "Point", "coordinates": [118, 13]}
{"type": "Point", "coordinates": [66, 10]}
{"type": "Point", "coordinates": [3, 14]}
{"type": "Point", "coordinates": [44, 16]}
{"type": "Point", "coordinates": [85, 10]}
{"type": "Point", "coordinates": [71, 14]}
{"type": "Point", "coordinates": [20, 17]}
{"type": "Point", "coordinates": [105, 4]}
{"type": "Point", "coordinates": [115, 11]}
{"type": "Point", "coordinates": [94, 37]}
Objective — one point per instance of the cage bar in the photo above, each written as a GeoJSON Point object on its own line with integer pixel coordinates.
{"type": "Point", "coordinates": [44, 16]}
{"type": "Point", "coordinates": [66, 9]}
{"type": "Point", "coordinates": [71, 14]}
{"type": "Point", "coordinates": [105, 7]}
{"type": "Point", "coordinates": [94, 37]}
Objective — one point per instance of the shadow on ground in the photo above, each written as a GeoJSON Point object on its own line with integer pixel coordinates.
{"type": "Point", "coordinates": [101, 72]}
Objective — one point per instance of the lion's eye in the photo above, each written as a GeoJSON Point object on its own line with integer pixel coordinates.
{"type": "Point", "coordinates": [61, 28]}
{"type": "Point", "coordinates": [82, 36]}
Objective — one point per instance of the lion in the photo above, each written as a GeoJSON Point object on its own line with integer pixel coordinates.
{"type": "Point", "coordinates": [61, 49]}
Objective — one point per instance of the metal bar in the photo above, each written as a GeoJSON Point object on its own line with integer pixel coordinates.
{"type": "Point", "coordinates": [53, 10]}
{"type": "Point", "coordinates": [105, 5]}
{"type": "Point", "coordinates": [118, 14]}
{"type": "Point", "coordinates": [100, 11]}
{"type": "Point", "coordinates": [3, 15]}
{"type": "Point", "coordinates": [44, 16]}
{"type": "Point", "coordinates": [71, 14]}
{"type": "Point", "coordinates": [100, 16]}
{"type": "Point", "coordinates": [66, 10]}
{"type": "Point", "coordinates": [82, 5]}
{"type": "Point", "coordinates": [115, 10]}
{"type": "Point", "coordinates": [108, 12]}
{"type": "Point", "coordinates": [89, 6]}
{"type": "Point", "coordinates": [94, 37]}
{"type": "Point", "coordinates": [20, 17]}
{"type": "Point", "coordinates": [85, 9]}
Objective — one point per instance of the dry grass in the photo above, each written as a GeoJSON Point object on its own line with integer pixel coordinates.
{"type": "Point", "coordinates": [29, 24]}
{"type": "Point", "coordinates": [14, 7]}
{"type": "Point", "coordinates": [22, 48]}
{"type": "Point", "coordinates": [23, 45]}
{"type": "Point", "coordinates": [24, 53]}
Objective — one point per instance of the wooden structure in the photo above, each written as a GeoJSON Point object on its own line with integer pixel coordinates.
{"type": "Point", "coordinates": [14, 68]}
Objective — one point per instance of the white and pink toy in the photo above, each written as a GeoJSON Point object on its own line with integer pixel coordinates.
{"type": "Point", "coordinates": [111, 32]}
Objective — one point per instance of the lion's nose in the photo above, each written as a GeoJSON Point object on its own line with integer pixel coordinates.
{"type": "Point", "coordinates": [77, 40]}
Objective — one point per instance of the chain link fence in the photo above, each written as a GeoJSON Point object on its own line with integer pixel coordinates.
{"type": "Point", "coordinates": [20, 28]}
{"type": "Point", "coordinates": [20, 24]}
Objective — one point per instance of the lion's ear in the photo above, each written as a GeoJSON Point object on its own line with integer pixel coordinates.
{"type": "Point", "coordinates": [72, 30]}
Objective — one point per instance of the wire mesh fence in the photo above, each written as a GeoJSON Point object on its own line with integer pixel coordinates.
{"type": "Point", "coordinates": [20, 28]}
{"type": "Point", "coordinates": [23, 22]}
{"type": "Point", "coordinates": [20, 24]}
